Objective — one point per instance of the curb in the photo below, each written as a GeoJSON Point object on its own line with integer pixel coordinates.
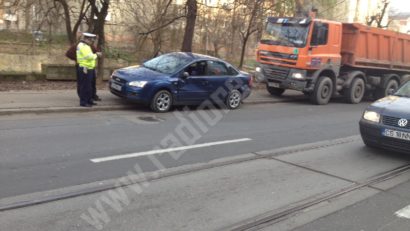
{"type": "Point", "coordinates": [112, 107]}
{"type": "Point", "coordinates": [268, 101]}
{"type": "Point", "coordinates": [62, 109]}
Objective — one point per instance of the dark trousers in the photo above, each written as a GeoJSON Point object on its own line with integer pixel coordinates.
{"type": "Point", "coordinates": [93, 83]}
{"type": "Point", "coordinates": [85, 85]}
{"type": "Point", "coordinates": [77, 72]}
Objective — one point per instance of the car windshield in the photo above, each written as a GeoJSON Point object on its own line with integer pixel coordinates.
{"type": "Point", "coordinates": [292, 35]}
{"type": "Point", "coordinates": [167, 64]}
{"type": "Point", "coordinates": [404, 91]}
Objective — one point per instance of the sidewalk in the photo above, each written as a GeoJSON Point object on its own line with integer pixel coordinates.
{"type": "Point", "coordinates": [67, 101]}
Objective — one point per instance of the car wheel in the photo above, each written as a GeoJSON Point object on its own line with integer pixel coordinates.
{"type": "Point", "coordinates": [234, 99]}
{"type": "Point", "coordinates": [162, 101]}
{"type": "Point", "coordinates": [392, 85]}
{"type": "Point", "coordinates": [355, 93]}
{"type": "Point", "coordinates": [323, 91]}
{"type": "Point", "coordinates": [275, 91]}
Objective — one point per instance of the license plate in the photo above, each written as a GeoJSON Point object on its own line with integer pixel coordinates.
{"type": "Point", "coordinates": [116, 86]}
{"type": "Point", "coordinates": [277, 85]}
{"type": "Point", "coordinates": [396, 134]}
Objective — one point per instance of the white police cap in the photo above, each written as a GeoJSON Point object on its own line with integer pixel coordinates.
{"type": "Point", "coordinates": [89, 35]}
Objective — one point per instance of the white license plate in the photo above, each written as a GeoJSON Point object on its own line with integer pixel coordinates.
{"type": "Point", "coordinates": [396, 134]}
{"type": "Point", "coordinates": [116, 86]}
{"type": "Point", "coordinates": [277, 85]}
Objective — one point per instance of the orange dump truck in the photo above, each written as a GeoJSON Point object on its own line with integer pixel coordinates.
{"type": "Point", "coordinates": [324, 58]}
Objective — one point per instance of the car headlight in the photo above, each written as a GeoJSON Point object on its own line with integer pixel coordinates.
{"type": "Point", "coordinates": [139, 84]}
{"type": "Point", "coordinates": [371, 116]}
{"type": "Point", "coordinates": [298, 76]}
{"type": "Point", "coordinates": [258, 69]}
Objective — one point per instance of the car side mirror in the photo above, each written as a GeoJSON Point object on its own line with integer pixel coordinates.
{"type": "Point", "coordinates": [185, 75]}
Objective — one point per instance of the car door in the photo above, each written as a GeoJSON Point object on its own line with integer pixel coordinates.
{"type": "Point", "coordinates": [217, 76]}
{"type": "Point", "coordinates": [194, 87]}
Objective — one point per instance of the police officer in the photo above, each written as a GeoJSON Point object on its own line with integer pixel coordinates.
{"type": "Point", "coordinates": [86, 60]}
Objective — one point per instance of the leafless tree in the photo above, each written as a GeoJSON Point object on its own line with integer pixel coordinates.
{"type": "Point", "coordinates": [71, 13]}
{"type": "Point", "coordinates": [379, 17]}
{"type": "Point", "coordinates": [192, 8]}
{"type": "Point", "coordinates": [152, 20]}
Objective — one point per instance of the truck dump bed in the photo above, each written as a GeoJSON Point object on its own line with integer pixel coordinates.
{"type": "Point", "coordinates": [375, 48]}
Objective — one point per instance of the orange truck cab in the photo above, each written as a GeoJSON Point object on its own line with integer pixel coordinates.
{"type": "Point", "coordinates": [321, 58]}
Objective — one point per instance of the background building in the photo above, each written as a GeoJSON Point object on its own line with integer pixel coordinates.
{"type": "Point", "coordinates": [400, 22]}
{"type": "Point", "coordinates": [353, 11]}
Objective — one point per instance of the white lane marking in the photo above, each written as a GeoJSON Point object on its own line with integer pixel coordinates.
{"type": "Point", "coordinates": [159, 151]}
{"type": "Point", "coordinates": [404, 212]}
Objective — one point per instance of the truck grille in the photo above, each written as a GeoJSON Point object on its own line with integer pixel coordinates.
{"type": "Point", "coordinates": [278, 55]}
{"type": "Point", "coordinates": [394, 122]}
{"type": "Point", "coordinates": [273, 72]}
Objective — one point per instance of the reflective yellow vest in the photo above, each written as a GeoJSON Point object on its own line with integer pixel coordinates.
{"type": "Point", "coordinates": [85, 56]}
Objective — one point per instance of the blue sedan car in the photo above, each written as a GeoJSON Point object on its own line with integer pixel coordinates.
{"type": "Point", "coordinates": [386, 123]}
{"type": "Point", "coordinates": [182, 79]}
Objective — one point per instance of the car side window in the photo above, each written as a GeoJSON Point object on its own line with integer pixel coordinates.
{"type": "Point", "coordinates": [232, 71]}
{"type": "Point", "coordinates": [215, 68]}
{"type": "Point", "coordinates": [197, 69]}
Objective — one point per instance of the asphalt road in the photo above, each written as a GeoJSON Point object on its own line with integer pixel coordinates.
{"type": "Point", "coordinates": [49, 151]}
{"type": "Point", "coordinates": [385, 211]}
{"type": "Point", "coordinates": [233, 196]}
{"type": "Point", "coordinates": [332, 182]}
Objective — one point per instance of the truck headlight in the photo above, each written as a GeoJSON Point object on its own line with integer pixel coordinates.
{"type": "Point", "coordinates": [298, 76]}
{"type": "Point", "coordinates": [139, 84]}
{"type": "Point", "coordinates": [294, 57]}
{"type": "Point", "coordinates": [371, 116]}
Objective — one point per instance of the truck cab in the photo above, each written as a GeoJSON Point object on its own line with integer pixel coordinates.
{"type": "Point", "coordinates": [295, 52]}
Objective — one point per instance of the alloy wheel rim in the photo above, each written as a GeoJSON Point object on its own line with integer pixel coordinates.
{"type": "Point", "coordinates": [163, 101]}
{"type": "Point", "coordinates": [234, 99]}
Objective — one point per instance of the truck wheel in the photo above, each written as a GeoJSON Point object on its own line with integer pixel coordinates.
{"type": "Point", "coordinates": [392, 85]}
{"type": "Point", "coordinates": [162, 101]}
{"type": "Point", "coordinates": [275, 91]}
{"type": "Point", "coordinates": [323, 91]}
{"type": "Point", "coordinates": [355, 93]}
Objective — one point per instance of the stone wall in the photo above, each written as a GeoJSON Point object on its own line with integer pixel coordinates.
{"type": "Point", "coordinates": [53, 66]}
{"type": "Point", "coordinates": [22, 63]}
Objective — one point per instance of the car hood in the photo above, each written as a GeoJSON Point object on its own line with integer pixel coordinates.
{"type": "Point", "coordinates": [136, 73]}
{"type": "Point", "coordinates": [393, 106]}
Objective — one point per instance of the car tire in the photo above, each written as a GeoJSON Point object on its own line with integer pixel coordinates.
{"type": "Point", "coordinates": [383, 92]}
{"type": "Point", "coordinates": [355, 93]}
{"type": "Point", "coordinates": [162, 101]}
{"type": "Point", "coordinates": [323, 91]}
{"type": "Point", "coordinates": [233, 100]}
{"type": "Point", "coordinates": [275, 91]}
